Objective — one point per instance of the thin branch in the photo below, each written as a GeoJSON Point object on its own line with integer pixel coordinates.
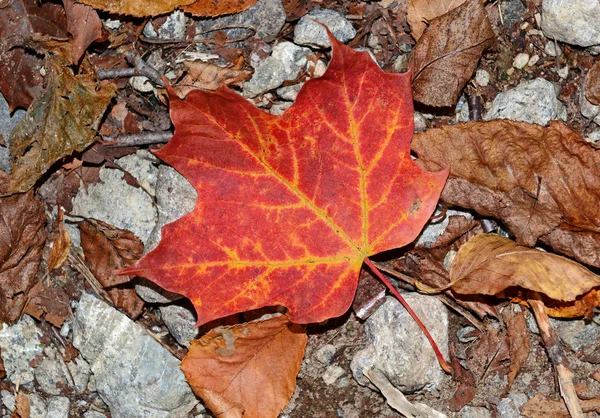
{"type": "Point", "coordinates": [145, 138]}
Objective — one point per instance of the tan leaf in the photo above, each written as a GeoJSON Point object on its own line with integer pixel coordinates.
{"type": "Point", "coordinates": [489, 264]}
{"type": "Point", "coordinates": [22, 408]}
{"type": "Point", "coordinates": [541, 406]}
{"type": "Point", "coordinates": [247, 369]}
{"type": "Point", "coordinates": [84, 24]}
{"type": "Point", "coordinates": [208, 76]}
{"type": "Point", "coordinates": [592, 84]}
{"type": "Point", "coordinates": [159, 7]}
{"type": "Point", "coordinates": [60, 246]}
{"type": "Point", "coordinates": [420, 12]}
{"type": "Point", "coordinates": [22, 237]}
{"type": "Point", "coordinates": [541, 182]}
{"type": "Point", "coordinates": [106, 249]}
{"type": "Point", "coordinates": [448, 52]}
{"type": "Point", "coordinates": [518, 338]}
{"type": "Point", "coordinates": [206, 8]}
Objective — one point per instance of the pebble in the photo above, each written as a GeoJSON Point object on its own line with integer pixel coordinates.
{"type": "Point", "coordinates": [482, 77]}
{"type": "Point", "coordinates": [135, 375]}
{"type": "Point", "coordinates": [289, 92]}
{"type": "Point", "coordinates": [572, 21]}
{"type": "Point", "coordinates": [433, 230]}
{"type": "Point", "coordinates": [474, 412]}
{"type": "Point", "coordinates": [117, 203]}
{"type": "Point", "coordinates": [172, 29]}
{"type": "Point", "coordinates": [588, 109]}
{"type": "Point", "coordinates": [563, 72]}
{"type": "Point", "coordinates": [310, 33]}
{"type": "Point", "coordinates": [521, 60]}
{"type": "Point", "coordinates": [7, 123]}
{"type": "Point", "coordinates": [93, 414]}
{"type": "Point", "coordinates": [142, 166]}
{"type": "Point", "coordinates": [420, 122]}
{"type": "Point", "coordinates": [332, 374]}
{"type": "Point", "coordinates": [577, 334]}
{"type": "Point", "coordinates": [533, 60]}
{"type": "Point", "coordinates": [266, 16]}
{"type": "Point", "coordinates": [593, 137]}
{"type": "Point", "coordinates": [19, 345]}
{"type": "Point", "coordinates": [509, 407]}
{"type": "Point", "coordinates": [58, 407]}
{"type": "Point", "coordinates": [552, 49]}
{"type": "Point", "coordinates": [326, 354]}
{"type": "Point", "coordinates": [180, 321]}
{"type": "Point", "coordinates": [512, 11]}
{"type": "Point", "coordinates": [533, 101]}
{"type": "Point", "coordinates": [316, 70]}
{"type": "Point", "coordinates": [401, 63]}
{"type": "Point", "coordinates": [398, 348]}
{"type": "Point", "coordinates": [278, 108]}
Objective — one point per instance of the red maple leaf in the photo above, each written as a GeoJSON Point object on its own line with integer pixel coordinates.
{"type": "Point", "coordinates": [289, 207]}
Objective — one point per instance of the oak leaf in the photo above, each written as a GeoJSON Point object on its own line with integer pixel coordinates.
{"type": "Point", "coordinates": [246, 370]}
{"type": "Point", "coordinates": [542, 182]}
{"type": "Point", "coordinates": [290, 206]}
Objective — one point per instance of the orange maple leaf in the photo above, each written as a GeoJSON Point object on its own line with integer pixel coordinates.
{"type": "Point", "coordinates": [289, 207]}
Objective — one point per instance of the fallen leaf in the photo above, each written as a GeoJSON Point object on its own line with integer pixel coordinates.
{"type": "Point", "coordinates": [208, 76]}
{"type": "Point", "coordinates": [22, 237]}
{"type": "Point", "coordinates": [2, 368]}
{"type": "Point", "coordinates": [447, 54]}
{"type": "Point", "coordinates": [22, 409]}
{"type": "Point", "coordinates": [541, 406]}
{"type": "Point", "coordinates": [246, 370]}
{"type": "Point", "coordinates": [84, 24]}
{"type": "Point", "coordinates": [61, 245]}
{"type": "Point", "coordinates": [518, 339]}
{"type": "Point", "coordinates": [63, 119]}
{"type": "Point", "coordinates": [106, 249]}
{"type": "Point", "coordinates": [489, 264]}
{"type": "Point", "coordinates": [290, 206]}
{"type": "Point", "coordinates": [465, 385]}
{"type": "Point", "coordinates": [52, 303]}
{"type": "Point", "coordinates": [592, 84]}
{"type": "Point", "coordinates": [541, 182]}
{"type": "Point", "coordinates": [210, 8]}
{"type": "Point", "coordinates": [203, 8]}
{"type": "Point", "coordinates": [20, 79]}
{"type": "Point", "coordinates": [580, 307]}
{"type": "Point", "coordinates": [420, 12]}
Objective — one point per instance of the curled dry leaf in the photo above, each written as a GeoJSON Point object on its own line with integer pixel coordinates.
{"type": "Point", "coordinates": [518, 339]}
{"type": "Point", "coordinates": [207, 8]}
{"type": "Point", "coordinates": [542, 182]}
{"type": "Point", "coordinates": [489, 264]}
{"type": "Point", "coordinates": [541, 406]}
{"type": "Point", "coordinates": [63, 119]}
{"type": "Point", "coordinates": [420, 12]}
{"type": "Point", "coordinates": [84, 24]}
{"type": "Point", "coordinates": [61, 245]}
{"type": "Point", "coordinates": [592, 84]}
{"type": "Point", "coordinates": [20, 79]}
{"type": "Point", "coordinates": [448, 52]}
{"type": "Point", "coordinates": [106, 249]}
{"type": "Point", "coordinates": [204, 8]}
{"type": "Point", "coordinates": [208, 76]}
{"type": "Point", "coordinates": [22, 239]}
{"type": "Point", "coordinates": [22, 408]}
{"type": "Point", "coordinates": [246, 370]}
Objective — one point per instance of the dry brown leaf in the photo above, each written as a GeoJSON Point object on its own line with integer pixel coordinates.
{"type": "Point", "coordinates": [22, 409]}
{"type": "Point", "coordinates": [518, 339]}
{"type": "Point", "coordinates": [489, 264]}
{"type": "Point", "coordinates": [64, 118]}
{"type": "Point", "coordinates": [448, 52]}
{"type": "Point", "coordinates": [61, 245]}
{"type": "Point", "coordinates": [158, 7]}
{"type": "Point", "coordinates": [2, 368]}
{"type": "Point", "coordinates": [541, 406]}
{"type": "Point", "coordinates": [420, 12]}
{"type": "Point", "coordinates": [581, 307]}
{"type": "Point", "coordinates": [234, 368]}
{"type": "Point", "coordinates": [592, 84]}
{"type": "Point", "coordinates": [84, 24]}
{"type": "Point", "coordinates": [106, 249]}
{"type": "Point", "coordinates": [208, 76]}
{"type": "Point", "coordinates": [22, 237]}
{"type": "Point", "coordinates": [208, 8]}
{"type": "Point", "coordinates": [542, 182]}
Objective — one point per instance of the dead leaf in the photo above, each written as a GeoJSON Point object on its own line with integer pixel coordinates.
{"type": "Point", "coordinates": [448, 52]}
{"type": "Point", "coordinates": [22, 237]}
{"type": "Point", "coordinates": [518, 339]}
{"type": "Point", "coordinates": [420, 12]}
{"type": "Point", "coordinates": [84, 24]}
{"type": "Point", "coordinates": [234, 368]}
{"type": "Point", "coordinates": [2, 368]}
{"type": "Point", "coordinates": [50, 302]}
{"type": "Point", "coordinates": [210, 8]}
{"type": "Point", "coordinates": [106, 249]}
{"type": "Point", "coordinates": [160, 7]}
{"type": "Point", "coordinates": [63, 119]}
{"type": "Point", "coordinates": [541, 182]}
{"type": "Point", "coordinates": [22, 409]}
{"type": "Point", "coordinates": [592, 84]}
{"type": "Point", "coordinates": [208, 76]}
{"type": "Point", "coordinates": [465, 388]}
{"type": "Point", "coordinates": [20, 79]}
{"type": "Point", "coordinates": [491, 355]}
{"type": "Point", "coordinates": [541, 406]}
{"type": "Point", "coordinates": [61, 245]}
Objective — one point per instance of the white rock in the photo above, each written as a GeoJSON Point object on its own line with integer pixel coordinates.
{"type": "Point", "coordinates": [593, 137]}
{"type": "Point", "coordinates": [509, 407]}
{"type": "Point", "coordinates": [93, 414]}
{"type": "Point", "coordinates": [398, 348]}
{"type": "Point", "coordinates": [521, 60]}
{"type": "Point", "coordinates": [142, 166]}
{"type": "Point", "coordinates": [8, 400]}
{"type": "Point", "coordinates": [289, 92]}
{"type": "Point", "coordinates": [588, 109]}
{"type": "Point", "coordinates": [173, 28]}
{"type": "Point", "coordinates": [117, 203]}
{"type": "Point", "coordinates": [401, 63]}
{"type": "Point", "coordinates": [532, 101]}
{"type": "Point", "coordinates": [58, 407]}
{"type": "Point", "coordinates": [552, 49]}
{"type": "Point", "coordinates": [482, 77]}
{"type": "Point", "coordinates": [332, 374]}
{"type": "Point", "coordinates": [52, 374]}
{"type": "Point", "coordinates": [278, 108]}
{"type": "Point", "coordinates": [141, 84]}
{"type": "Point", "coordinates": [474, 412]}
{"type": "Point", "coordinates": [112, 24]}
{"type": "Point", "coordinates": [575, 22]}
{"type": "Point", "coordinates": [180, 321]}
{"type": "Point", "coordinates": [19, 345]}
{"type": "Point", "coordinates": [318, 69]}
{"type": "Point", "coordinates": [533, 60]}
{"type": "Point", "coordinates": [563, 72]}
{"type": "Point", "coordinates": [135, 375]}
{"type": "Point", "coordinates": [310, 33]}
{"type": "Point", "coordinates": [420, 122]}
{"type": "Point", "coordinates": [37, 407]}
{"type": "Point", "coordinates": [326, 353]}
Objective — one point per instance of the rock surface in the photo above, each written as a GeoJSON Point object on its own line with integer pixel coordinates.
{"type": "Point", "coordinates": [134, 374]}
{"type": "Point", "coordinates": [532, 101]}
{"type": "Point", "coordinates": [398, 348]}
{"type": "Point", "coordinates": [433, 230]}
{"type": "Point", "coordinates": [180, 321]}
{"type": "Point", "coordinates": [474, 412]}
{"type": "Point", "coordinates": [58, 407]}
{"type": "Point", "coordinates": [572, 21]}
{"type": "Point", "coordinates": [310, 33]}
{"type": "Point", "coordinates": [577, 333]}
{"type": "Point", "coordinates": [19, 345]}
{"type": "Point", "coordinates": [7, 123]}
{"type": "Point", "coordinates": [141, 166]}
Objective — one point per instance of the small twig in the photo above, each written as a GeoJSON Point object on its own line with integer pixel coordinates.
{"type": "Point", "coordinates": [107, 74]}
{"type": "Point", "coordinates": [557, 357]}
{"type": "Point", "coordinates": [412, 313]}
{"type": "Point", "coordinates": [145, 138]}
{"type": "Point", "coordinates": [76, 261]}
{"type": "Point", "coordinates": [144, 68]}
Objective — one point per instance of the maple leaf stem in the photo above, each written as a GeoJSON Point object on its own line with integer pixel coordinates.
{"type": "Point", "coordinates": [412, 313]}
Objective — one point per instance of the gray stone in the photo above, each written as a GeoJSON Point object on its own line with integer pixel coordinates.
{"type": "Point", "coordinates": [474, 412]}
{"type": "Point", "coordinates": [593, 137]}
{"type": "Point", "coordinates": [433, 230]}
{"type": "Point", "coordinates": [135, 375]}
{"type": "Point", "coordinates": [180, 321]}
{"type": "Point", "coordinates": [572, 21]}
{"type": "Point", "coordinates": [332, 374]}
{"type": "Point", "coordinates": [577, 334]}
{"type": "Point", "coordinates": [512, 11]}
{"type": "Point", "coordinates": [588, 109]}
{"type": "Point", "coordinates": [7, 123]}
{"type": "Point", "coordinates": [58, 407]}
{"type": "Point", "coordinates": [289, 92]}
{"type": "Point", "coordinates": [266, 16]}
{"type": "Point", "coordinates": [8, 400]}
{"type": "Point", "coordinates": [509, 407]}
{"type": "Point", "coordinates": [52, 374]}
{"type": "Point", "coordinates": [532, 101]}
{"type": "Point", "coordinates": [37, 407]}
{"type": "Point", "coordinates": [80, 372]}
{"type": "Point", "coordinates": [521, 60]}
{"type": "Point", "coordinates": [326, 353]}
{"type": "Point", "coordinates": [93, 414]}
{"type": "Point", "coordinates": [552, 49]}
{"type": "Point", "coordinates": [117, 203]}
{"type": "Point", "coordinates": [420, 122]}
{"type": "Point", "coordinates": [310, 33]}
{"type": "Point", "coordinates": [482, 77]}
{"type": "Point", "coordinates": [278, 108]}
{"type": "Point", "coordinates": [401, 63]}
{"type": "Point", "coordinates": [143, 84]}
{"type": "Point", "coordinates": [285, 63]}
{"type": "Point", "coordinates": [398, 348]}
{"type": "Point", "coordinates": [173, 28]}
{"type": "Point", "coordinates": [142, 166]}
{"type": "Point", "coordinates": [19, 345]}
